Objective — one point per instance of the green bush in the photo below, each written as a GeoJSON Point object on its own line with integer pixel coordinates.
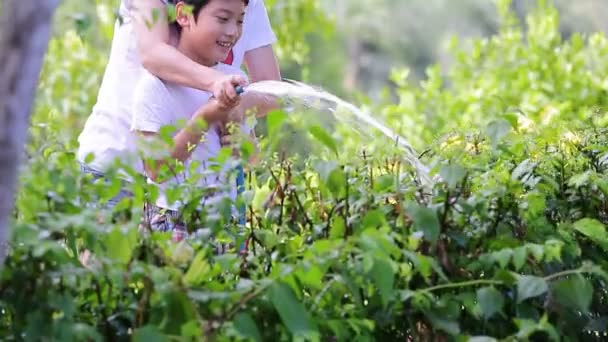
{"type": "Point", "coordinates": [531, 77]}
{"type": "Point", "coordinates": [510, 245]}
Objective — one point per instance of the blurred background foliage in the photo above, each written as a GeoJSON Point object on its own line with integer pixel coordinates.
{"type": "Point", "coordinates": [352, 45]}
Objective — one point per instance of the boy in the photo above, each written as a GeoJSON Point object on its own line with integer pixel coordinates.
{"type": "Point", "coordinates": [208, 29]}
{"type": "Point", "coordinates": [141, 42]}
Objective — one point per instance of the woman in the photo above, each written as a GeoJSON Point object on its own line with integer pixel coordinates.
{"type": "Point", "coordinates": [142, 40]}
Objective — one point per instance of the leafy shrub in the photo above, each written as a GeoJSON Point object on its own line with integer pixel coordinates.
{"type": "Point", "coordinates": [510, 245]}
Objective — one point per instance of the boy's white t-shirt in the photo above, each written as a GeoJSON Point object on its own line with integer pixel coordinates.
{"type": "Point", "coordinates": [156, 104]}
{"type": "Point", "coordinates": [106, 133]}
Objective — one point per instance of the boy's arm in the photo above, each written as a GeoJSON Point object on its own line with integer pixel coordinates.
{"type": "Point", "coordinates": [152, 110]}
{"type": "Point", "coordinates": [166, 62]}
{"type": "Point", "coordinates": [186, 140]}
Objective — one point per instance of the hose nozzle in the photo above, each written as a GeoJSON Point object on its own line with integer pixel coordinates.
{"type": "Point", "coordinates": [239, 89]}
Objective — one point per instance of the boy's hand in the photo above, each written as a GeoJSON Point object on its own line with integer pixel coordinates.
{"type": "Point", "coordinates": [223, 88]}
{"type": "Point", "coordinates": [237, 114]}
{"type": "Point", "coordinates": [248, 105]}
{"type": "Point", "coordinates": [228, 138]}
{"type": "Point", "coordinates": [216, 111]}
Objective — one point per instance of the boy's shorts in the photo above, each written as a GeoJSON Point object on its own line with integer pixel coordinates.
{"type": "Point", "coordinates": [165, 220]}
{"type": "Point", "coordinates": [112, 202]}
{"type": "Point", "coordinates": [170, 221]}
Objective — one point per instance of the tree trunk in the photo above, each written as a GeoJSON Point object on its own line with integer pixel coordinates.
{"type": "Point", "coordinates": [353, 64]}
{"type": "Point", "coordinates": [354, 47]}
{"type": "Point", "coordinates": [519, 8]}
{"type": "Point", "coordinates": [24, 34]}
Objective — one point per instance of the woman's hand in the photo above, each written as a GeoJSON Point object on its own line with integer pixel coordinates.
{"type": "Point", "coordinates": [223, 89]}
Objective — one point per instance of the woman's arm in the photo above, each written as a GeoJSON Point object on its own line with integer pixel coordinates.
{"type": "Point", "coordinates": [259, 57]}
{"type": "Point", "coordinates": [166, 62]}
{"type": "Point", "coordinates": [262, 64]}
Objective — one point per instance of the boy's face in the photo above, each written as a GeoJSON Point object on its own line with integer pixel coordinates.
{"type": "Point", "coordinates": [218, 27]}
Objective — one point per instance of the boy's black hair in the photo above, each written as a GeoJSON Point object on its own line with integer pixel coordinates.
{"type": "Point", "coordinates": [197, 5]}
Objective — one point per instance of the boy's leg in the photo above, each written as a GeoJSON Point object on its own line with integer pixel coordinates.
{"type": "Point", "coordinates": [170, 221]}
{"type": "Point", "coordinates": [86, 257]}
{"type": "Point", "coordinates": [96, 175]}
{"type": "Point", "coordinates": [242, 208]}
{"type": "Point", "coordinates": [240, 188]}
{"type": "Point", "coordinates": [165, 220]}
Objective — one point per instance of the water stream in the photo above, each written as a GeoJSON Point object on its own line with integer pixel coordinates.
{"type": "Point", "coordinates": [347, 113]}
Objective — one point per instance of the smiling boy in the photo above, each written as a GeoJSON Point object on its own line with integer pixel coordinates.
{"type": "Point", "coordinates": [206, 32]}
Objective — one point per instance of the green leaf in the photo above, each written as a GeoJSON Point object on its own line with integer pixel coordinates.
{"type": "Point", "coordinates": [332, 176]}
{"type": "Point", "coordinates": [384, 183]}
{"type": "Point", "coordinates": [553, 250]}
{"type": "Point", "coordinates": [384, 277]}
{"type": "Point", "coordinates": [182, 254]}
{"type": "Point", "coordinates": [528, 327]}
{"type": "Point", "coordinates": [198, 271]}
{"type": "Point", "coordinates": [324, 137]}
{"type": "Point", "coordinates": [120, 244]}
{"type": "Point", "coordinates": [470, 303]}
{"type": "Point", "coordinates": [595, 270]}
{"type": "Point", "coordinates": [338, 227]}
{"type": "Point", "coordinates": [177, 311]}
{"type": "Point", "coordinates": [496, 130]}
{"type": "Point", "coordinates": [171, 12]}
{"type": "Point", "coordinates": [580, 180]}
{"type": "Point", "coordinates": [83, 332]}
{"type": "Point", "coordinates": [490, 301]}
{"type": "Point", "coordinates": [155, 16]}
{"type": "Point", "coordinates": [247, 149]}
{"type": "Point", "coordinates": [519, 257]}
{"type": "Point", "coordinates": [529, 287]}
{"type": "Point", "coordinates": [422, 263]}
{"type": "Point", "coordinates": [452, 175]}
{"type": "Point", "coordinates": [291, 310]}
{"type": "Point", "coordinates": [503, 257]}
{"type": "Point", "coordinates": [575, 293]}
{"type": "Point", "coordinates": [246, 327]}
{"type": "Point", "coordinates": [523, 169]}
{"type": "Point", "coordinates": [191, 330]}
{"type": "Point", "coordinates": [425, 265]}
{"type": "Point", "coordinates": [374, 219]}
{"type": "Point", "coordinates": [274, 121]}
{"type": "Point", "coordinates": [426, 221]}
{"type": "Point", "coordinates": [89, 158]}
{"type": "Point", "coordinates": [325, 168]}
{"type": "Point", "coordinates": [512, 118]}
{"type": "Point", "coordinates": [148, 334]}
{"type": "Point", "coordinates": [538, 251]}
{"type": "Point", "coordinates": [207, 296]}
{"type": "Point", "coordinates": [337, 182]}
{"type": "Point", "coordinates": [311, 275]}
{"type": "Point", "coordinates": [594, 230]}
{"type": "Point", "coordinates": [482, 339]}
{"type": "Point", "coordinates": [442, 322]}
